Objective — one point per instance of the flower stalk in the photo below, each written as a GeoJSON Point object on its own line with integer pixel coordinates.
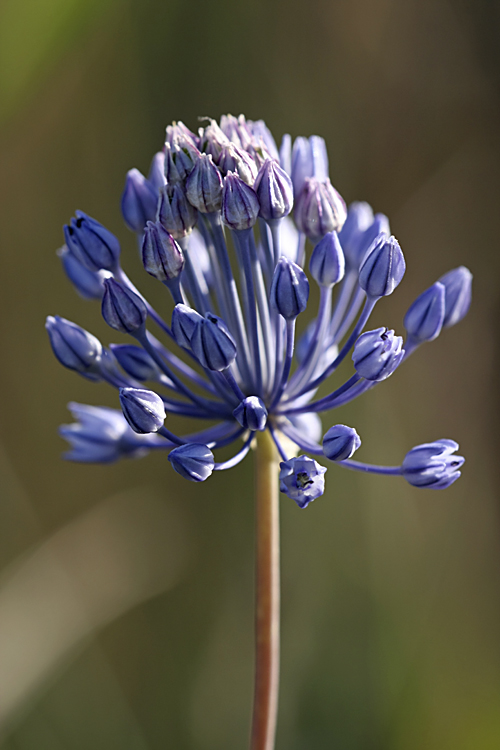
{"type": "Point", "coordinates": [267, 595]}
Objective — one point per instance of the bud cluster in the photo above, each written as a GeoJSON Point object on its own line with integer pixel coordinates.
{"type": "Point", "coordinates": [229, 223]}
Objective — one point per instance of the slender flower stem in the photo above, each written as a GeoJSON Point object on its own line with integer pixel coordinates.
{"type": "Point", "coordinates": [267, 595]}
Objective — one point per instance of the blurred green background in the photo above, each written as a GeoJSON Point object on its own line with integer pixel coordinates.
{"type": "Point", "coordinates": [126, 593]}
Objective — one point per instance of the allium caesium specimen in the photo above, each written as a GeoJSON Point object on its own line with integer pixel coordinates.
{"type": "Point", "coordinates": [213, 223]}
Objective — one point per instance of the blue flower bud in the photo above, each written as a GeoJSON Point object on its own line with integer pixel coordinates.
{"type": "Point", "coordinates": [234, 159]}
{"type": "Point", "coordinates": [236, 130]}
{"type": "Point", "coordinates": [102, 435]}
{"type": "Point", "coordinates": [193, 461]}
{"type": "Point", "coordinates": [143, 409]}
{"type": "Point", "coordinates": [377, 354]}
{"type": "Point", "coordinates": [274, 190]}
{"type": "Point", "coordinates": [359, 218]}
{"type": "Point", "coordinates": [180, 158]}
{"type": "Point", "coordinates": [90, 242]}
{"type": "Point", "coordinates": [122, 309]}
{"type": "Point", "coordinates": [74, 347]}
{"type": "Point", "coordinates": [161, 255]}
{"type": "Point", "coordinates": [175, 213]}
{"type": "Point", "coordinates": [379, 225]}
{"type": "Point", "coordinates": [251, 413]}
{"type": "Point", "coordinates": [302, 479]}
{"type": "Point", "coordinates": [175, 174]}
{"type": "Point", "coordinates": [180, 134]}
{"type": "Point", "coordinates": [212, 141]}
{"type": "Point", "coordinates": [458, 292]}
{"type": "Point", "coordinates": [359, 231]}
{"type": "Point", "coordinates": [340, 442]}
{"type": "Point", "coordinates": [88, 284]}
{"type": "Point", "coordinates": [135, 361]}
{"type": "Point", "coordinates": [432, 465]}
{"type": "Point", "coordinates": [212, 344]}
{"type": "Point", "coordinates": [139, 201]}
{"type": "Point", "coordinates": [319, 209]}
{"type": "Point", "coordinates": [290, 289]}
{"type": "Point", "coordinates": [327, 265]}
{"type": "Point", "coordinates": [184, 321]}
{"type": "Point", "coordinates": [240, 205]}
{"type": "Point", "coordinates": [383, 268]}
{"type": "Point", "coordinates": [425, 316]}
{"type": "Point", "coordinates": [156, 174]}
{"type": "Point", "coordinates": [309, 159]}
{"type": "Point", "coordinates": [263, 136]}
{"type": "Point", "coordinates": [204, 185]}
{"type": "Point", "coordinates": [187, 153]}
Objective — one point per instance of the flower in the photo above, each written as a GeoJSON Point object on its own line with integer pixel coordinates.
{"type": "Point", "coordinates": [302, 479]}
{"type": "Point", "coordinates": [214, 222]}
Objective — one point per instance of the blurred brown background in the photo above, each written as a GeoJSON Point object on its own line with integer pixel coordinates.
{"type": "Point", "coordinates": [126, 592]}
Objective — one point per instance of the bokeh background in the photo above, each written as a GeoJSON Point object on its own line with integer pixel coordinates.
{"type": "Point", "coordinates": [125, 592]}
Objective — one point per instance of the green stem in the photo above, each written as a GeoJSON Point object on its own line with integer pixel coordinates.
{"type": "Point", "coordinates": [267, 614]}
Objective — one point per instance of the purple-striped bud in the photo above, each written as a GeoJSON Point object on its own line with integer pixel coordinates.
{"type": "Point", "coordinates": [327, 265]}
{"type": "Point", "coordinates": [251, 413]}
{"type": "Point", "coordinates": [432, 465]}
{"type": "Point", "coordinates": [234, 159]}
{"type": "Point", "coordinates": [175, 213]}
{"type": "Point", "coordinates": [274, 190]}
{"type": "Point", "coordinates": [204, 185]}
{"type": "Point", "coordinates": [359, 218]}
{"type": "Point", "coordinates": [262, 137]}
{"type": "Point", "coordinates": [340, 442]}
{"type": "Point", "coordinates": [377, 354]}
{"type": "Point", "coordinates": [179, 133]}
{"type": "Point", "coordinates": [290, 289]}
{"type": "Point", "coordinates": [359, 231]}
{"type": "Point", "coordinates": [161, 255]}
{"type": "Point", "coordinates": [139, 201]}
{"type": "Point", "coordinates": [193, 461]}
{"type": "Point", "coordinates": [319, 209]}
{"type": "Point", "coordinates": [102, 435]}
{"type": "Point", "coordinates": [88, 284]}
{"type": "Point", "coordinates": [122, 309]}
{"type": "Point", "coordinates": [309, 159]}
{"type": "Point", "coordinates": [425, 316]}
{"type": "Point", "coordinates": [175, 173]}
{"type": "Point", "coordinates": [236, 129]}
{"type": "Point", "coordinates": [458, 292]}
{"type": "Point", "coordinates": [212, 344]}
{"type": "Point", "coordinates": [74, 347]}
{"type": "Point", "coordinates": [91, 243]}
{"type": "Point", "coordinates": [184, 321]}
{"type": "Point", "coordinates": [212, 141]}
{"type": "Point", "coordinates": [143, 409]}
{"type": "Point", "coordinates": [240, 205]}
{"type": "Point", "coordinates": [156, 174]}
{"type": "Point", "coordinates": [383, 268]}
{"type": "Point", "coordinates": [135, 361]}
{"type": "Point", "coordinates": [302, 479]}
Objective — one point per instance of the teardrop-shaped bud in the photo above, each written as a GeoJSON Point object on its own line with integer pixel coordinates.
{"type": "Point", "coordinates": [161, 255]}
{"type": "Point", "coordinates": [290, 289]}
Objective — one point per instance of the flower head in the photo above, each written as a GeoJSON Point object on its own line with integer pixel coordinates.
{"type": "Point", "coordinates": [214, 219]}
